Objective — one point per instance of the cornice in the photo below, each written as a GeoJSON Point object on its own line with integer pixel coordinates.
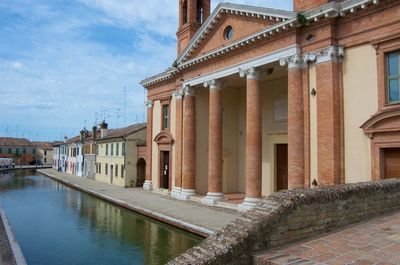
{"type": "Point", "coordinates": [330, 10]}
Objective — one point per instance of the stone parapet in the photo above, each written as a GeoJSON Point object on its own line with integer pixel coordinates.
{"type": "Point", "coordinates": [289, 216]}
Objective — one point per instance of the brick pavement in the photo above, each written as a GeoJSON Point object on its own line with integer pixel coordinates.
{"type": "Point", "coordinates": [376, 241]}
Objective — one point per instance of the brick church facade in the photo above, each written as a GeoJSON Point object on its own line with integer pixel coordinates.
{"type": "Point", "coordinates": [260, 99]}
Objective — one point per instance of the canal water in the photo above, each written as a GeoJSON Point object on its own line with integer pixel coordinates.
{"type": "Point", "coordinates": [57, 225]}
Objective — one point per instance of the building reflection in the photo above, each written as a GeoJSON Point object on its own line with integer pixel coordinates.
{"type": "Point", "coordinates": [159, 243]}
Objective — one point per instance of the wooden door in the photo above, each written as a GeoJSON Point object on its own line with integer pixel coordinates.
{"type": "Point", "coordinates": [164, 183]}
{"type": "Point", "coordinates": [392, 163]}
{"type": "Point", "coordinates": [281, 167]}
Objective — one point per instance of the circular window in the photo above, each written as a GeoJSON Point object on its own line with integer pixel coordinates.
{"type": "Point", "coordinates": [228, 33]}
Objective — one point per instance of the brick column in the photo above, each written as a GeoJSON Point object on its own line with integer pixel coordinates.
{"type": "Point", "coordinates": [253, 158]}
{"type": "Point", "coordinates": [148, 185]}
{"type": "Point", "coordinates": [329, 116]}
{"type": "Point", "coordinates": [214, 144]}
{"type": "Point", "coordinates": [176, 190]}
{"type": "Point", "coordinates": [295, 125]}
{"type": "Point", "coordinates": [189, 144]}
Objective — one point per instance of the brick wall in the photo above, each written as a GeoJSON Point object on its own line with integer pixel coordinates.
{"type": "Point", "coordinates": [290, 216]}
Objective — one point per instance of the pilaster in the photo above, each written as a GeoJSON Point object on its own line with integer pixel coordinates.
{"type": "Point", "coordinates": [148, 184]}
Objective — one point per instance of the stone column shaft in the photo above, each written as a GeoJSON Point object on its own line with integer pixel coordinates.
{"type": "Point", "coordinates": [253, 157]}
{"type": "Point", "coordinates": [295, 128]}
{"type": "Point", "coordinates": [214, 144]}
{"type": "Point", "coordinates": [189, 145]}
{"type": "Point", "coordinates": [149, 147]}
{"type": "Point", "coordinates": [176, 190]}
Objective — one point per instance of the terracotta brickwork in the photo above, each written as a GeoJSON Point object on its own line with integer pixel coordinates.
{"type": "Point", "coordinates": [253, 138]}
{"type": "Point", "coordinates": [178, 143]}
{"type": "Point", "coordinates": [215, 141]}
{"type": "Point", "coordinates": [189, 143]}
{"type": "Point", "coordinates": [295, 128]}
{"type": "Point", "coordinates": [317, 44]}
{"type": "Point", "coordinates": [329, 129]}
{"type": "Point", "coordinates": [305, 5]}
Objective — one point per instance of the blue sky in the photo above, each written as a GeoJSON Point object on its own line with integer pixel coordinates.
{"type": "Point", "coordinates": [63, 61]}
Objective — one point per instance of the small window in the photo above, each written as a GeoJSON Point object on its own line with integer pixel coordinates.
{"type": "Point", "coordinates": [117, 149]}
{"type": "Point", "coordinates": [122, 171]}
{"type": "Point", "coordinates": [1, 151]}
{"type": "Point", "coordinates": [228, 33]}
{"type": "Point", "coordinates": [23, 151]}
{"type": "Point", "coordinates": [97, 150]}
{"type": "Point", "coordinates": [112, 149]}
{"type": "Point", "coordinates": [45, 152]}
{"type": "Point", "coordinates": [17, 151]}
{"type": "Point", "coordinates": [99, 168]}
{"type": "Point", "coordinates": [9, 150]}
{"type": "Point", "coordinates": [106, 150]}
{"type": "Point", "coordinates": [393, 77]}
{"type": "Point", "coordinates": [165, 116]}
{"type": "Point", "coordinates": [123, 149]}
{"type": "Point", "coordinates": [116, 170]}
{"type": "Point", "coordinates": [34, 151]}
{"type": "Point", "coordinates": [106, 169]}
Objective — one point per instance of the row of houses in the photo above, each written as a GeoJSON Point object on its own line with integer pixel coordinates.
{"type": "Point", "coordinates": [114, 156]}
{"type": "Point", "coordinates": [24, 152]}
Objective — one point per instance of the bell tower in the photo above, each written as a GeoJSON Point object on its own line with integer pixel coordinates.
{"type": "Point", "coordinates": [192, 13]}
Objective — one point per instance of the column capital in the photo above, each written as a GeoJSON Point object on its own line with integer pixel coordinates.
{"type": "Point", "coordinates": [294, 61]}
{"type": "Point", "coordinates": [251, 73]}
{"type": "Point", "coordinates": [189, 91]}
{"type": "Point", "coordinates": [214, 84]}
{"type": "Point", "coordinates": [331, 54]}
{"type": "Point", "coordinates": [178, 94]}
{"type": "Point", "coordinates": [149, 104]}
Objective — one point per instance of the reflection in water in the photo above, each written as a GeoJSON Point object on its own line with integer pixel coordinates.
{"type": "Point", "coordinates": [59, 225]}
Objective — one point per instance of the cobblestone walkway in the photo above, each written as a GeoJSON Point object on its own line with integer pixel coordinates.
{"type": "Point", "coordinates": [188, 215]}
{"type": "Point", "coordinates": [374, 242]}
{"type": "Point", "coordinates": [6, 255]}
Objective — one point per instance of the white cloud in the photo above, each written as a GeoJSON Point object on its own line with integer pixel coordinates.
{"type": "Point", "coordinates": [54, 75]}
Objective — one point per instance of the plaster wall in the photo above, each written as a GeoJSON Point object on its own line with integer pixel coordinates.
{"type": "Point", "coordinates": [360, 103]}
{"type": "Point", "coordinates": [313, 124]}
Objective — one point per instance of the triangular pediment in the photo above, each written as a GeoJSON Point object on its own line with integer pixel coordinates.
{"type": "Point", "coordinates": [244, 20]}
{"type": "Point", "coordinates": [239, 26]}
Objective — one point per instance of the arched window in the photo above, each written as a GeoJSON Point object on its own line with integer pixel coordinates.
{"type": "Point", "coordinates": [200, 12]}
{"type": "Point", "coordinates": [184, 12]}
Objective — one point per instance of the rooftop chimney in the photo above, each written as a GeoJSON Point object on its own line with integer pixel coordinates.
{"type": "Point", "coordinates": [103, 129]}
{"type": "Point", "coordinates": [94, 132]}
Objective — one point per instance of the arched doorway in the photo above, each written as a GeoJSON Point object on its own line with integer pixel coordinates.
{"type": "Point", "coordinates": [141, 172]}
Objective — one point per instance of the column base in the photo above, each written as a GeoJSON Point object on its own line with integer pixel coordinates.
{"type": "Point", "coordinates": [176, 192]}
{"type": "Point", "coordinates": [186, 194]}
{"type": "Point", "coordinates": [212, 198]}
{"type": "Point", "coordinates": [248, 204]}
{"type": "Point", "coordinates": [148, 185]}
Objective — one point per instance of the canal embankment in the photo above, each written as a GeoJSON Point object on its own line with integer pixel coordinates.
{"type": "Point", "coordinates": [10, 252]}
{"type": "Point", "coordinates": [22, 167]}
{"type": "Point", "coordinates": [190, 216]}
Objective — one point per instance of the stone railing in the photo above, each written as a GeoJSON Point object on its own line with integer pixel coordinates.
{"type": "Point", "coordinates": [289, 216]}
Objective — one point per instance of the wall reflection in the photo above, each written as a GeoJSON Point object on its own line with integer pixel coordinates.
{"type": "Point", "coordinates": [157, 242]}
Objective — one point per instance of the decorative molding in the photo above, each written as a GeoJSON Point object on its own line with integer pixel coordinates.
{"type": "Point", "coordinates": [189, 91]}
{"type": "Point", "coordinates": [149, 104]}
{"type": "Point", "coordinates": [294, 61]}
{"type": "Point", "coordinates": [330, 10]}
{"type": "Point", "coordinates": [331, 54]}
{"type": "Point", "coordinates": [251, 73]}
{"type": "Point", "coordinates": [214, 84]}
{"type": "Point", "coordinates": [178, 94]}
{"type": "Point", "coordinates": [234, 69]}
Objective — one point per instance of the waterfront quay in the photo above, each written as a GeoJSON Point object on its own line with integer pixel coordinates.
{"type": "Point", "coordinates": [191, 216]}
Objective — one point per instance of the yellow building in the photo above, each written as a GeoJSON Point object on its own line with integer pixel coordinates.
{"type": "Point", "coordinates": [117, 160]}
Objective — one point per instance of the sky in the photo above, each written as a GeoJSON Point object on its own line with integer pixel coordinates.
{"type": "Point", "coordinates": [65, 64]}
